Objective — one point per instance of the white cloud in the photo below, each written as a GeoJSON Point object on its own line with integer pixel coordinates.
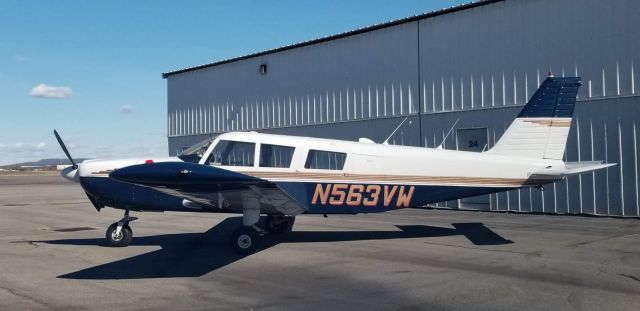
{"type": "Point", "coordinates": [125, 151]}
{"type": "Point", "coordinates": [22, 147]}
{"type": "Point", "coordinates": [46, 91]}
{"type": "Point", "coordinates": [19, 59]}
{"type": "Point", "coordinates": [126, 109]}
{"type": "Point", "coordinates": [11, 153]}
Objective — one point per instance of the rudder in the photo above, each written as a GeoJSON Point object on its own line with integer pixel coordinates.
{"type": "Point", "coordinates": [541, 128]}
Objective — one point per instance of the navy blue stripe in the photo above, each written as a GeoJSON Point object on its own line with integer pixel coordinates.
{"type": "Point", "coordinates": [117, 194]}
{"type": "Point", "coordinates": [303, 192]}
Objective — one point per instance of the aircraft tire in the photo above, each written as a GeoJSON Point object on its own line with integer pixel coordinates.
{"type": "Point", "coordinates": [245, 240]}
{"type": "Point", "coordinates": [122, 240]}
{"type": "Point", "coordinates": [274, 227]}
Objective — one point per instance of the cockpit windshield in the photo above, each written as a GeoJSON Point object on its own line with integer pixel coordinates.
{"type": "Point", "coordinates": [194, 153]}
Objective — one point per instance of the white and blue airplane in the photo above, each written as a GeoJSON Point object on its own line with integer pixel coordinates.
{"type": "Point", "coordinates": [284, 176]}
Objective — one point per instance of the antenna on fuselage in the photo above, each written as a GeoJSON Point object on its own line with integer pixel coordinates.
{"type": "Point", "coordinates": [449, 132]}
{"type": "Point", "coordinates": [386, 141]}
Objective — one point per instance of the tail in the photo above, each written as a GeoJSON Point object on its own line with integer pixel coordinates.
{"type": "Point", "coordinates": [540, 131]}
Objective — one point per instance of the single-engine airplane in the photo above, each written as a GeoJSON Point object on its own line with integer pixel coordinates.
{"type": "Point", "coordinates": [284, 176]}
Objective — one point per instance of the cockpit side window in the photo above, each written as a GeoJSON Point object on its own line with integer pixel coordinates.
{"type": "Point", "coordinates": [194, 153]}
{"type": "Point", "coordinates": [232, 153]}
{"type": "Point", "coordinates": [275, 155]}
{"type": "Point", "coordinates": [325, 160]}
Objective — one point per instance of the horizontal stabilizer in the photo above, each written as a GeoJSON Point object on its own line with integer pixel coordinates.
{"type": "Point", "coordinates": [570, 168]}
{"type": "Point", "coordinates": [573, 168]}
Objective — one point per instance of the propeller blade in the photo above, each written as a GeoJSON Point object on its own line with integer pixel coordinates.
{"type": "Point", "coordinates": [64, 148]}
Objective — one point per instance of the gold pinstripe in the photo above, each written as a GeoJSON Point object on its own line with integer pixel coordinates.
{"type": "Point", "coordinates": [371, 178]}
{"type": "Point", "coordinates": [551, 123]}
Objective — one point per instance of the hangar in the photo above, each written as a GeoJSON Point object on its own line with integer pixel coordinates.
{"type": "Point", "coordinates": [468, 68]}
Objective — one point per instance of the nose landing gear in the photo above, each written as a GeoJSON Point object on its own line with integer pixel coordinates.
{"type": "Point", "coordinates": [119, 234]}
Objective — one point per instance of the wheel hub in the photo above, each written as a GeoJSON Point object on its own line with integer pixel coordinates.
{"type": "Point", "coordinates": [244, 241]}
{"type": "Point", "coordinates": [116, 236]}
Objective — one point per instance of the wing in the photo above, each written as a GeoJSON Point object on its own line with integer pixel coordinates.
{"type": "Point", "coordinates": [211, 188]}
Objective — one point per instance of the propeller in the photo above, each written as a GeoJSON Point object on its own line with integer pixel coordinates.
{"type": "Point", "coordinates": [64, 148]}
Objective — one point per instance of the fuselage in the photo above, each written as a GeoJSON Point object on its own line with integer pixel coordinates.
{"type": "Point", "coordinates": [283, 176]}
{"type": "Point", "coordinates": [326, 176]}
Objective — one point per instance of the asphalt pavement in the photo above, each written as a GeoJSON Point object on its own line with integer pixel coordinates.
{"type": "Point", "coordinates": [53, 256]}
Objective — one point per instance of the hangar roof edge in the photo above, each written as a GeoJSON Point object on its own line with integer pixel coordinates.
{"type": "Point", "coordinates": [339, 35]}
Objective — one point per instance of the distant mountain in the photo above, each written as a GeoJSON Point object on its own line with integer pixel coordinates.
{"type": "Point", "coordinates": [43, 162]}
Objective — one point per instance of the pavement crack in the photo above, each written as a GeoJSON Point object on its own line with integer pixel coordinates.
{"type": "Point", "coordinates": [33, 243]}
{"type": "Point", "coordinates": [25, 297]}
{"type": "Point", "coordinates": [530, 254]}
{"type": "Point", "coordinates": [633, 277]}
{"type": "Point", "coordinates": [603, 239]}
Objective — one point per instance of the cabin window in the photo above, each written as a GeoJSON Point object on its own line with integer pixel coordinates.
{"type": "Point", "coordinates": [275, 155]}
{"type": "Point", "coordinates": [232, 153]}
{"type": "Point", "coordinates": [325, 160]}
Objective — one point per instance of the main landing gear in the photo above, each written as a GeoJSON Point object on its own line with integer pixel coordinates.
{"type": "Point", "coordinates": [279, 224]}
{"type": "Point", "coordinates": [119, 234]}
{"type": "Point", "coordinates": [247, 239]}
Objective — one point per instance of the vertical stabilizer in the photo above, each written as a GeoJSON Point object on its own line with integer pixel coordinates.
{"type": "Point", "coordinates": [540, 131]}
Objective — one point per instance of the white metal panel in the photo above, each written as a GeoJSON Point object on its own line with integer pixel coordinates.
{"type": "Point", "coordinates": [309, 80]}
{"type": "Point", "coordinates": [504, 50]}
{"type": "Point", "coordinates": [470, 61]}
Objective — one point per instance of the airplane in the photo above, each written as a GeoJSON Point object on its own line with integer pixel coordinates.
{"type": "Point", "coordinates": [284, 176]}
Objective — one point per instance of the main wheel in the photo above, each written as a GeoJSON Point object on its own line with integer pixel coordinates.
{"type": "Point", "coordinates": [119, 240]}
{"type": "Point", "coordinates": [279, 224]}
{"type": "Point", "coordinates": [245, 240]}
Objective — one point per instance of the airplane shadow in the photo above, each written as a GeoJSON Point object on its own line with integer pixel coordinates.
{"type": "Point", "coordinates": [196, 254]}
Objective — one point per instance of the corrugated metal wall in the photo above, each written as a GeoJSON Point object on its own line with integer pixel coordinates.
{"type": "Point", "coordinates": [363, 77]}
{"type": "Point", "coordinates": [478, 65]}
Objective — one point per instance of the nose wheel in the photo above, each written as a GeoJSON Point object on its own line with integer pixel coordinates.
{"type": "Point", "coordinates": [119, 234]}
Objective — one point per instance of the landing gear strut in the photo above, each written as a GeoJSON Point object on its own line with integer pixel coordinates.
{"type": "Point", "coordinates": [119, 234]}
{"type": "Point", "coordinates": [279, 224]}
{"type": "Point", "coordinates": [247, 239]}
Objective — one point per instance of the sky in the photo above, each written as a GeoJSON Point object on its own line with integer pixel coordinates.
{"type": "Point", "coordinates": [92, 69]}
